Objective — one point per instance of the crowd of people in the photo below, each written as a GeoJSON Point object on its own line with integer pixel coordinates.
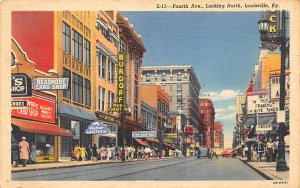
{"type": "Point", "coordinates": [262, 150]}
{"type": "Point", "coordinates": [94, 153]}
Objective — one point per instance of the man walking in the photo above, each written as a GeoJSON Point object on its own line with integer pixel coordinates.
{"type": "Point", "coordinates": [269, 148]}
{"type": "Point", "coordinates": [213, 153]}
{"type": "Point", "coordinates": [24, 151]}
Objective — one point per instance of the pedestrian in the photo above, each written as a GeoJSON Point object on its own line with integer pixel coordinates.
{"type": "Point", "coordinates": [269, 148]}
{"type": "Point", "coordinates": [83, 153]}
{"type": "Point", "coordinates": [94, 153]}
{"type": "Point", "coordinates": [77, 152]}
{"type": "Point", "coordinates": [132, 151]}
{"type": "Point", "coordinates": [260, 150]}
{"type": "Point", "coordinates": [245, 151]}
{"type": "Point", "coordinates": [108, 151]}
{"type": "Point", "coordinates": [213, 153]}
{"type": "Point", "coordinates": [24, 151]}
{"type": "Point", "coordinates": [170, 152]}
{"type": "Point", "coordinates": [128, 153]}
{"type": "Point", "coordinates": [275, 149]}
{"type": "Point", "coordinates": [102, 152]}
{"type": "Point", "coordinates": [14, 152]}
{"type": "Point", "coordinates": [89, 152]}
{"type": "Point", "coordinates": [32, 153]}
{"type": "Point", "coordinates": [143, 153]}
{"type": "Point", "coordinates": [113, 152]}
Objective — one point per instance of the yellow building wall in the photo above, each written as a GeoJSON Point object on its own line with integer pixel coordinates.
{"type": "Point", "coordinates": [270, 62]}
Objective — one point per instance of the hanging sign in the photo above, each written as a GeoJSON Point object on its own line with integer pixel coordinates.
{"type": "Point", "coordinates": [144, 134]}
{"type": "Point", "coordinates": [50, 84]}
{"type": "Point", "coordinates": [20, 85]}
{"type": "Point", "coordinates": [97, 128]}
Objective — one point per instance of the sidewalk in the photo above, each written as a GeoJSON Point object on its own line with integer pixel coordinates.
{"type": "Point", "coordinates": [267, 170]}
{"type": "Point", "coordinates": [68, 164]}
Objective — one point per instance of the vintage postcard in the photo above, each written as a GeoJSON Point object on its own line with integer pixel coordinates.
{"type": "Point", "coordinates": [183, 93]}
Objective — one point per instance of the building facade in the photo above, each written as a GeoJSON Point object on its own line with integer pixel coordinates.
{"type": "Point", "coordinates": [183, 86]}
{"type": "Point", "coordinates": [218, 135]}
{"type": "Point", "coordinates": [207, 120]}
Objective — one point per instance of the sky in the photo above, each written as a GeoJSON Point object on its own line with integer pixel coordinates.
{"type": "Point", "coordinates": [222, 47]}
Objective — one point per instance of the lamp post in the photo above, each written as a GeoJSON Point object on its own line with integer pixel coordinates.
{"type": "Point", "coordinates": [282, 40]}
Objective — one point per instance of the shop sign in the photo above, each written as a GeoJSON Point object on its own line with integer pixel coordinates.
{"type": "Point", "coordinates": [50, 84]}
{"type": "Point", "coordinates": [18, 104]}
{"type": "Point", "coordinates": [188, 129]}
{"type": "Point", "coordinates": [106, 117]}
{"type": "Point", "coordinates": [274, 23]}
{"type": "Point", "coordinates": [97, 128]}
{"type": "Point", "coordinates": [38, 109]}
{"type": "Point", "coordinates": [170, 135]}
{"type": "Point", "coordinates": [263, 128]}
{"type": "Point", "coordinates": [168, 141]}
{"type": "Point", "coordinates": [20, 85]}
{"type": "Point", "coordinates": [121, 86]}
{"type": "Point", "coordinates": [144, 134]}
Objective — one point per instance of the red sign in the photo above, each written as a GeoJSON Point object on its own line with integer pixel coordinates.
{"type": "Point", "coordinates": [188, 129]}
{"type": "Point", "coordinates": [37, 109]}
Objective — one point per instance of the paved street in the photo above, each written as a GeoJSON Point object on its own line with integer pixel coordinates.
{"type": "Point", "coordinates": [172, 169]}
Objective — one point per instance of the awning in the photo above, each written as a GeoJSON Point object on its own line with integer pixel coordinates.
{"type": "Point", "coordinates": [141, 142]}
{"type": "Point", "coordinates": [66, 109]}
{"type": "Point", "coordinates": [37, 127]}
{"type": "Point", "coordinates": [152, 140]}
{"type": "Point", "coordinates": [169, 145]}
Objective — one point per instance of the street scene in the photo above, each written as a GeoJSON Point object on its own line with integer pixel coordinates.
{"type": "Point", "coordinates": [116, 96]}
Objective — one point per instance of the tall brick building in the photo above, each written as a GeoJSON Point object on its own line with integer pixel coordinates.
{"type": "Point", "coordinates": [207, 120]}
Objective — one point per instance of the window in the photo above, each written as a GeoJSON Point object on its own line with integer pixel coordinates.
{"type": "Point", "coordinates": [179, 76]}
{"type": "Point", "coordinates": [171, 98]}
{"type": "Point", "coordinates": [149, 121]}
{"type": "Point", "coordinates": [109, 69]}
{"type": "Point", "coordinates": [113, 72]}
{"type": "Point", "coordinates": [77, 45]}
{"type": "Point", "coordinates": [103, 65]}
{"type": "Point", "coordinates": [167, 109]}
{"type": "Point", "coordinates": [77, 94]}
{"type": "Point", "coordinates": [102, 99]}
{"type": "Point", "coordinates": [135, 89]}
{"type": "Point", "coordinates": [179, 98]}
{"type": "Point", "coordinates": [171, 87]}
{"type": "Point", "coordinates": [147, 77]}
{"type": "Point", "coordinates": [159, 105]}
{"type": "Point", "coordinates": [87, 92]}
{"type": "Point", "coordinates": [66, 38]}
{"type": "Point", "coordinates": [154, 122]}
{"type": "Point", "coordinates": [111, 98]}
{"type": "Point", "coordinates": [201, 103]}
{"type": "Point", "coordinates": [135, 113]}
{"type": "Point", "coordinates": [87, 53]}
{"type": "Point", "coordinates": [163, 77]}
{"type": "Point", "coordinates": [123, 47]}
{"type": "Point", "coordinates": [144, 120]}
{"type": "Point", "coordinates": [136, 64]}
{"type": "Point", "coordinates": [179, 87]}
{"type": "Point", "coordinates": [67, 74]}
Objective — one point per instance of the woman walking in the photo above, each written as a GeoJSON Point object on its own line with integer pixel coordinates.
{"type": "Point", "coordinates": [77, 152]}
{"type": "Point", "coordinates": [94, 153]}
{"type": "Point", "coordinates": [102, 152]}
{"type": "Point", "coordinates": [24, 151]}
{"type": "Point", "coordinates": [83, 153]}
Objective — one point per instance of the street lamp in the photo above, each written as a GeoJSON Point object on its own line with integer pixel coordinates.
{"type": "Point", "coordinates": [282, 41]}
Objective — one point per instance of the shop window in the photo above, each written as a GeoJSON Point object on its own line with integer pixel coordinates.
{"type": "Point", "coordinates": [44, 148]}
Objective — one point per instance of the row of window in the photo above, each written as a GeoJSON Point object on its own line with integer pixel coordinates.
{"type": "Point", "coordinates": [149, 120]}
{"type": "Point", "coordinates": [103, 59]}
{"type": "Point", "coordinates": [101, 98]}
{"type": "Point", "coordinates": [81, 48]}
{"type": "Point", "coordinates": [108, 34]}
{"type": "Point", "coordinates": [163, 77]}
{"type": "Point", "coordinates": [162, 107]}
{"type": "Point", "coordinates": [80, 87]}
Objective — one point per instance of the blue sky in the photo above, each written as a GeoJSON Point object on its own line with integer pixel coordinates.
{"type": "Point", "coordinates": [222, 47]}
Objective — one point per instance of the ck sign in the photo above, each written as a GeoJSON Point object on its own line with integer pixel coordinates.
{"type": "Point", "coordinates": [20, 85]}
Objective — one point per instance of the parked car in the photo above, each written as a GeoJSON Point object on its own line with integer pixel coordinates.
{"type": "Point", "coordinates": [202, 153]}
{"type": "Point", "coordinates": [219, 151]}
{"type": "Point", "coordinates": [228, 152]}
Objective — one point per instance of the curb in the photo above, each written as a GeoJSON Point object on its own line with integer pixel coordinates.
{"type": "Point", "coordinates": [89, 164]}
{"type": "Point", "coordinates": [256, 170]}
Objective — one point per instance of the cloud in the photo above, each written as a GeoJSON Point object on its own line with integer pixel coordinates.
{"type": "Point", "coordinates": [222, 117]}
{"type": "Point", "coordinates": [229, 108]}
{"type": "Point", "coordinates": [224, 95]}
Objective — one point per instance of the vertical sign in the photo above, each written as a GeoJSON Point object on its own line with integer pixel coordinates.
{"type": "Point", "coordinates": [274, 23]}
{"type": "Point", "coordinates": [121, 79]}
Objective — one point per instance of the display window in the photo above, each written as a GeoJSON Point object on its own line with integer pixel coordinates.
{"type": "Point", "coordinates": [44, 148]}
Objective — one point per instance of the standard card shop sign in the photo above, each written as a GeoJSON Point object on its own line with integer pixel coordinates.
{"type": "Point", "coordinates": [20, 85]}
{"type": "Point", "coordinates": [50, 83]}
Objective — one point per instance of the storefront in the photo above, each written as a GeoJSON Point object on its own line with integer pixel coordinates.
{"type": "Point", "coordinates": [76, 121]}
{"type": "Point", "coordinates": [38, 123]}
{"type": "Point", "coordinates": [111, 122]}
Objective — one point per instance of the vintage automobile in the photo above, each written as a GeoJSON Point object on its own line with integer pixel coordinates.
{"type": "Point", "coordinates": [219, 151]}
{"type": "Point", "coordinates": [228, 152]}
{"type": "Point", "coordinates": [202, 153]}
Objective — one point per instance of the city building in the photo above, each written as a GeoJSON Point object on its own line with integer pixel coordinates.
{"type": "Point", "coordinates": [207, 120]}
{"type": "Point", "coordinates": [107, 48]}
{"type": "Point", "coordinates": [181, 82]}
{"type": "Point", "coordinates": [238, 135]}
{"type": "Point", "coordinates": [66, 47]}
{"type": "Point", "coordinates": [218, 135]}
{"type": "Point", "coordinates": [159, 99]}
{"type": "Point", "coordinates": [133, 48]}
{"type": "Point", "coordinates": [37, 120]}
